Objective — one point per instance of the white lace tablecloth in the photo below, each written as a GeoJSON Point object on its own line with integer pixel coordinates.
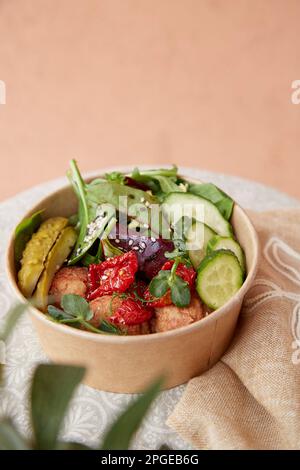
{"type": "Point", "coordinates": [92, 411]}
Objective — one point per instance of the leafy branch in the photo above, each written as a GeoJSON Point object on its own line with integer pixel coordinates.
{"type": "Point", "coordinates": [51, 391]}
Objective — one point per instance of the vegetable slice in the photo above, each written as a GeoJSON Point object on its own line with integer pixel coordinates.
{"type": "Point", "coordinates": [197, 239]}
{"type": "Point", "coordinates": [227, 243]}
{"type": "Point", "coordinates": [24, 232]}
{"type": "Point", "coordinates": [57, 256]}
{"type": "Point", "coordinates": [219, 277]}
{"type": "Point", "coordinates": [36, 252]}
{"type": "Point", "coordinates": [197, 208]}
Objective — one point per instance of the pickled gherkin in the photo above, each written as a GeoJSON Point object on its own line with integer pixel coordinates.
{"type": "Point", "coordinates": [57, 256]}
{"type": "Point", "coordinates": [36, 252]}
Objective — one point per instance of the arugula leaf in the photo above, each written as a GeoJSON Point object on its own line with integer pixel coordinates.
{"type": "Point", "coordinates": [161, 181]}
{"type": "Point", "coordinates": [115, 176]}
{"type": "Point", "coordinates": [180, 292]}
{"type": "Point", "coordinates": [91, 223]}
{"type": "Point", "coordinates": [215, 195]}
{"type": "Point", "coordinates": [152, 173]}
{"type": "Point", "coordinates": [24, 232]}
{"type": "Point", "coordinates": [76, 306]}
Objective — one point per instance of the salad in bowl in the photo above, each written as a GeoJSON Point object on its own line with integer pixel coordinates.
{"type": "Point", "coordinates": [145, 252]}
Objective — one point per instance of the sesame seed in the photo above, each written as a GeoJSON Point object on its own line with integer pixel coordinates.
{"type": "Point", "coordinates": [130, 242]}
{"type": "Point", "coordinates": [136, 248]}
{"type": "Point", "coordinates": [147, 204]}
{"type": "Point", "coordinates": [142, 199]}
{"type": "Point", "coordinates": [153, 239]}
{"type": "Point", "coordinates": [143, 245]}
{"type": "Point", "coordinates": [117, 240]}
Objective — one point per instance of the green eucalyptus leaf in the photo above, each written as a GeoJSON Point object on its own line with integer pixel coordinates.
{"type": "Point", "coordinates": [51, 391]}
{"type": "Point", "coordinates": [164, 447]}
{"type": "Point", "coordinates": [122, 431]}
{"type": "Point", "coordinates": [13, 316]}
{"type": "Point", "coordinates": [10, 438]}
{"type": "Point", "coordinates": [76, 306]}
{"type": "Point", "coordinates": [72, 446]}
{"type": "Point", "coordinates": [180, 292]}
{"type": "Point", "coordinates": [160, 284]}
{"type": "Point", "coordinates": [24, 232]}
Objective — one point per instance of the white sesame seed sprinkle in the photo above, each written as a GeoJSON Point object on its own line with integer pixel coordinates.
{"type": "Point", "coordinates": [130, 242]}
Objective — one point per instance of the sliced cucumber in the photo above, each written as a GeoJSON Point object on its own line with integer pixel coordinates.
{"type": "Point", "coordinates": [219, 277]}
{"type": "Point", "coordinates": [177, 205]}
{"type": "Point", "coordinates": [227, 243]}
{"type": "Point", "coordinates": [197, 240]}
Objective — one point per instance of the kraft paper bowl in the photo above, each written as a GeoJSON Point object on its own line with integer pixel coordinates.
{"type": "Point", "coordinates": [126, 364]}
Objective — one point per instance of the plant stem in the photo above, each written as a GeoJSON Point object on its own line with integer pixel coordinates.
{"type": "Point", "coordinates": [173, 269]}
{"type": "Point", "coordinates": [90, 327]}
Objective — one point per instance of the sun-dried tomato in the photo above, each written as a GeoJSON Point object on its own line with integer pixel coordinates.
{"type": "Point", "coordinates": [113, 275]}
{"type": "Point", "coordinates": [188, 274]}
{"type": "Point", "coordinates": [131, 312]}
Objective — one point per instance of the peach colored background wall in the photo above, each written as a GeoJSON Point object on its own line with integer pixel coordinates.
{"type": "Point", "coordinates": [195, 82]}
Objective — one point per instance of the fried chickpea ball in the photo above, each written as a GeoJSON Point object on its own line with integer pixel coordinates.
{"type": "Point", "coordinates": [69, 280]}
{"type": "Point", "coordinates": [172, 317]}
{"type": "Point", "coordinates": [104, 307]}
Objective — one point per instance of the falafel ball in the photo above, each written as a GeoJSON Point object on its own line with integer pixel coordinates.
{"type": "Point", "coordinates": [172, 317]}
{"type": "Point", "coordinates": [69, 280]}
{"type": "Point", "coordinates": [104, 307]}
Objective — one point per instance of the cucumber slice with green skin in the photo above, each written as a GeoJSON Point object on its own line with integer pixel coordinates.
{"type": "Point", "coordinates": [177, 205]}
{"type": "Point", "coordinates": [227, 243]}
{"type": "Point", "coordinates": [197, 240]}
{"type": "Point", "coordinates": [219, 277]}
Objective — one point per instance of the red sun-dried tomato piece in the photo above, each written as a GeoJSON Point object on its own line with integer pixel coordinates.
{"type": "Point", "coordinates": [131, 312]}
{"type": "Point", "coordinates": [113, 275]}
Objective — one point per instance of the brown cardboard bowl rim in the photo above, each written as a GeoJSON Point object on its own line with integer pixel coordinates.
{"type": "Point", "coordinates": [155, 337]}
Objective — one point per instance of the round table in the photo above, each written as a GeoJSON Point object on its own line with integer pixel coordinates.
{"type": "Point", "coordinates": [92, 411]}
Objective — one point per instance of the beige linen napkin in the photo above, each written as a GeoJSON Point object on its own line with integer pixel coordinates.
{"type": "Point", "coordinates": [251, 398]}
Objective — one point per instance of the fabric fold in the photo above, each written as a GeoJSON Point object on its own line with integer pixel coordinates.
{"type": "Point", "coordinates": [251, 398]}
